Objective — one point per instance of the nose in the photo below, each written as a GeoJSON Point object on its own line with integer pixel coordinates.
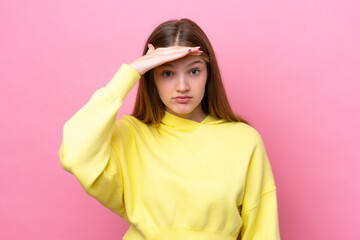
{"type": "Point", "coordinates": [182, 84]}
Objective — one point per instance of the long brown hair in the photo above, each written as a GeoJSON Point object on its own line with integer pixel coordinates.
{"type": "Point", "coordinates": [184, 32]}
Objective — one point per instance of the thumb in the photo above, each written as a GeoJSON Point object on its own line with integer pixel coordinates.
{"type": "Point", "coordinates": [151, 48]}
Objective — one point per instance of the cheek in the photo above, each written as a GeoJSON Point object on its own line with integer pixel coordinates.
{"type": "Point", "coordinates": [201, 84]}
{"type": "Point", "coordinates": [162, 88]}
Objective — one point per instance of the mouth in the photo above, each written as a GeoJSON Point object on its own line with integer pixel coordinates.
{"type": "Point", "coordinates": [182, 99]}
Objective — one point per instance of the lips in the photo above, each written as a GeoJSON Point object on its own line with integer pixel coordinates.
{"type": "Point", "coordinates": [183, 96]}
{"type": "Point", "coordinates": [182, 99]}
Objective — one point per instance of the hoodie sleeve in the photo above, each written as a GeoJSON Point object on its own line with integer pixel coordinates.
{"type": "Point", "coordinates": [90, 147]}
{"type": "Point", "coordinates": [259, 210]}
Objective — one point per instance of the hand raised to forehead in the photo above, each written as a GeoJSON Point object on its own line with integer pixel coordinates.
{"type": "Point", "coordinates": [157, 56]}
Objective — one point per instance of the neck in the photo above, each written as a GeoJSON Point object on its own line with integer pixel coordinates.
{"type": "Point", "coordinates": [196, 115]}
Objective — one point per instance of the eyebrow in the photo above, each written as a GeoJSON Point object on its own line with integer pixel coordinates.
{"type": "Point", "coordinates": [170, 65]}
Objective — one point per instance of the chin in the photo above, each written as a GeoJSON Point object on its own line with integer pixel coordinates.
{"type": "Point", "coordinates": [182, 109]}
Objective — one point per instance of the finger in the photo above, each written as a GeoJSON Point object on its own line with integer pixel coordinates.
{"type": "Point", "coordinates": [195, 49]}
{"type": "Point", "coordinates": [177, 49]}
{"type": "Point", "coordinates": [168, 54]}
{"type": "Point", "coordinates": [195, 53]}
{"type": "Point", "coordinates": [183, 51]}
{"type": "Point", "coordinates": [192, 51]}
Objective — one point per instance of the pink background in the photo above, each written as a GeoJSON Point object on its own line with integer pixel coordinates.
{"type": "Point", "coordinates": [290, 67]}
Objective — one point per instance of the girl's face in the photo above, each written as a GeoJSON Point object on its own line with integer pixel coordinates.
{"type": "Point", "coordinates": [181, 86]}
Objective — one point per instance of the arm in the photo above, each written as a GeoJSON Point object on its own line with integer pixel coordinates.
{"type": "Point", "coordinates": [259, 210]}
{"type": "Point", "coordinates": [91, 141]}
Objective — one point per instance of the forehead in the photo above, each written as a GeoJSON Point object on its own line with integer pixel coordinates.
{"type": "Point", "coordinates": [184, 61]}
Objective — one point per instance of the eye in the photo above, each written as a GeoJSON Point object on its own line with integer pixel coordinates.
{"type": "Point", "coordinates": [166, 74]}
{"type": "Point", "coordinates": [194, 71]}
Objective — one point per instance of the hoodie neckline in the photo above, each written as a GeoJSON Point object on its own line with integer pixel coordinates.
{"type": "Point", "coordinates": [180, 123]}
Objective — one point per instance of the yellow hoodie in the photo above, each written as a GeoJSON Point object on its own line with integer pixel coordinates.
{"type": "Point", "coordinates": [191, 181]}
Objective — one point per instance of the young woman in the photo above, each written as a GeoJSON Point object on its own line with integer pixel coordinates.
{"type": "Point", "coordinates": [183, 165]}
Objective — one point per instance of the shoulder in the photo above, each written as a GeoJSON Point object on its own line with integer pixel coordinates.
{"type": "Point", "coordinates": [245, 131]}
{"type": "Point", "coordinates": [131, 122]}
{"type": "Point", "coordinates": [128, 127]}
{"type": "Point", "coordinates": [255, 139]}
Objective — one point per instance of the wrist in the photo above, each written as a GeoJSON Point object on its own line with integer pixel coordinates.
{"type": "Point", "coordinates": [134, 66]}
